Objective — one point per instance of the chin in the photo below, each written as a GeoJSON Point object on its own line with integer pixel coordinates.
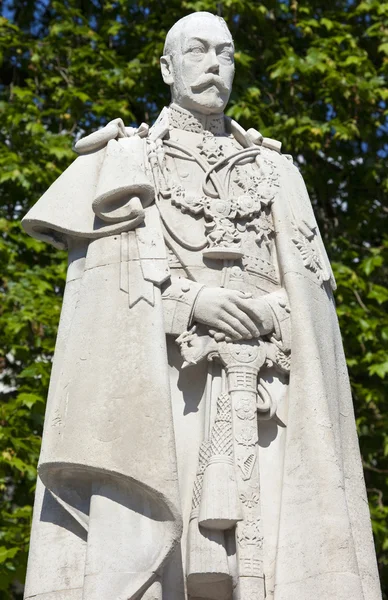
{"type": "Point", "coordinates": [209, 102]}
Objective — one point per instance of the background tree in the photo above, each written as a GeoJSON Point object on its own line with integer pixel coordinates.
{"type": "Point", "coordinates": [311, 74]}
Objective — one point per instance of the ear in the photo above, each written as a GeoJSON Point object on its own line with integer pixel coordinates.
{"type": "Point", "coordinates": [166, 68]}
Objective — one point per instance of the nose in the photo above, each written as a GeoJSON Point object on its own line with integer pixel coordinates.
{"type": "Point", "coordinates": [212, 65]}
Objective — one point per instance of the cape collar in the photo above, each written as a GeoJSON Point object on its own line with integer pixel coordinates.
{"type": "Point", "coordinates": [180, 118]}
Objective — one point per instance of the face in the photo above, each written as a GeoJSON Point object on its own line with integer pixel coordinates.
{"type": "Point", "coordinates": [200, 72]}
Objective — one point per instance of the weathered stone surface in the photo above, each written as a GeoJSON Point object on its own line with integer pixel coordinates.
{"type": "Point", "coordinates": [199, 438]}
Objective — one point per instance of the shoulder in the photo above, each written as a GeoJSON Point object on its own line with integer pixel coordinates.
{"type": "Point", "coordinates": [114, 130]}
{"type": "Point", "coordinates": [251, 136]}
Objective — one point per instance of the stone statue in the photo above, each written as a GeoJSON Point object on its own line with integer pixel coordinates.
{"type": "Point", "coordinates": [199, 438]}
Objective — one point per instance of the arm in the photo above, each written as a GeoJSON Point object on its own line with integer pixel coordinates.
{"type": "Point", "coordinates": [178, 303]}
{"type": "Point", "coordinates": [277, 303]}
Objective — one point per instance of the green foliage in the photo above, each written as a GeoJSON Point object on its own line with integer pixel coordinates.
{"type": "Point", "coordinates": [311, 74]}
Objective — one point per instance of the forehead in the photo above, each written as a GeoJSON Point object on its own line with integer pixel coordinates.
{"type": "Point", "coordinates": [210, 30]}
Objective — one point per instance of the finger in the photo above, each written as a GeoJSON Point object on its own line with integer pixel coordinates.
{"type": "Point", "coordinates": [219, 336]}
{"type": "Point", "coordinates": [244, 319]}
{"type": "Point", "coordinates": [229, 331]}
{"type": "Point", "coordinates": [242, 294]}
{"type": "Point", "coordinates": [236, 325]}
{"type": "Point", "coordinates": [250, 309]}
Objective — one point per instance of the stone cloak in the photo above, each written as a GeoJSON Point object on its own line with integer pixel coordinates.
{"type": "Point", "coordinates": [108, 423]}
{"type": "Point", "coordinates": [325, 545]}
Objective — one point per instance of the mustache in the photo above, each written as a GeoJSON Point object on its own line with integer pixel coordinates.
{"type": "Point", "coordinates": [207, 80]}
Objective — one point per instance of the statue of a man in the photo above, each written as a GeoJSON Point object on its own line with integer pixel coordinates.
{"type": "Point", "coordinates": [199, 438]}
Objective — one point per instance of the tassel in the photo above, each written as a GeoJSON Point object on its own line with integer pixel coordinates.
{"type": "Point", "coordinates": [207, 562]}
{"type": "Point", "coordinates": [208, 573]}
{"type": "Point", "coordinates": [220, 506]}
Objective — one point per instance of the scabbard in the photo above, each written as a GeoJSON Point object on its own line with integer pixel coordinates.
{"type": "Point", "coordinates": [242, 385]}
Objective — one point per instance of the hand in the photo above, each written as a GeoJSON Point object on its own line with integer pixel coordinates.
{"type": "Point", "coordinates": [260, 312]}
{"type": "Point", "coordinates": [233, 313]}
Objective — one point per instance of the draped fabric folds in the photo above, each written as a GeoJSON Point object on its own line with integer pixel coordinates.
{"type": "Point", "coordinates": [108, 453]}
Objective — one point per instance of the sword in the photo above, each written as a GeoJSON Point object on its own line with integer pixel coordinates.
{"type": "Point", "coordinates": [242, 363]}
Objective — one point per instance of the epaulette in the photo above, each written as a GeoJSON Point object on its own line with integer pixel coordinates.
{"type": "Point", "coordinates": [252, 137]}
{"type": "Point", "coordinates": [113, 130]}
{"type": "Point", "coordinates": [258, 140]}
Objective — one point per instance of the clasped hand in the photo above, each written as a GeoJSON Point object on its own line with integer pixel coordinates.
{"type": "Point", "coordinates": [233, 314]}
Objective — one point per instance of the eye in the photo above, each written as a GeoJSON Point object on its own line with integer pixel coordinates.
{"type": "Point", "coordinates": [197, 50]}
{"type": "Point", "coordinates": [226, 55]}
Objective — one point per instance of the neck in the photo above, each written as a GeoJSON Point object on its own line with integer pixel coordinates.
{"type": "Point", "coordinates": [196, 122]}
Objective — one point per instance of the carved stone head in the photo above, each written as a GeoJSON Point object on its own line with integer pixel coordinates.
{"type": "Point", "coordinates": [198, 63]}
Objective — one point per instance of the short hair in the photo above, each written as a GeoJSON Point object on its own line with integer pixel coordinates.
{"type": "Point", "coordinates": [174, 33]}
